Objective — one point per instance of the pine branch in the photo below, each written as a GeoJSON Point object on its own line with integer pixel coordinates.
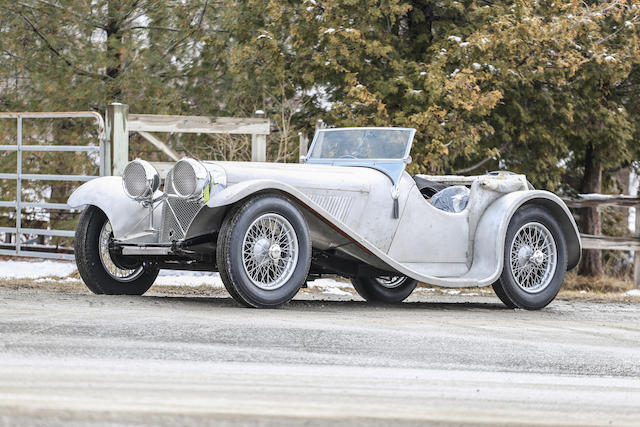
{"type": "Point", "coordinates": [59, 54]}
{"type": "Point", "coordinates": [480, 163]}
{"type": "Point", "coordinates": [69, 11]}
{"type": "Point", "coordinates": [190, 33]}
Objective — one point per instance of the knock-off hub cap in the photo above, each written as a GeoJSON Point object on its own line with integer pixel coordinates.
{"type": "Point", "coordinates": [275, 252]}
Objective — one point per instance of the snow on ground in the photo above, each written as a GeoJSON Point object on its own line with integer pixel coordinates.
{"type": "Point", "coordinates": [633, 293]}
{"type": "Point", "coordinates": [188, 278]}
{"type": "Point", "coordinates": [44, 270]}
{"type": "Point", "coordinates": [330, 286]}
{"type": "Point", "coordinates": [11, 269]}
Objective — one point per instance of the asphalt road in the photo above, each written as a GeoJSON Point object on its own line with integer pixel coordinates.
{"type": "Point", "coordinates": [74, 359]}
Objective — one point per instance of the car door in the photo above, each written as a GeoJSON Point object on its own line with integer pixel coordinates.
{"type": "Point", "coordinates": [431, 240]}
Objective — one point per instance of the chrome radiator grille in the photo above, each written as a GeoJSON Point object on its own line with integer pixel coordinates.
{"type": "Point", "coordinates": [177, 214]}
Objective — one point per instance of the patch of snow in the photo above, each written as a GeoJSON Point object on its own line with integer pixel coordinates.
{"type": "Point", "coordinates": [329, 30]}
{"type": "Point", "coordinates": [189, 278]}
{"type": "Point", "coordinates": [633, 293]}
{"type": "Point", "coordinates": [455, 39]}
{"type": "Point", "coordinates": [11, 269]}
{"type": "Point", "coordinates": [476, 66]}
{"type": "Point", "coordinates": [423, 73]}
{"type": "Point", "coordinates": [330, 286]}
{"type": "Point", "coordinates": [464, 44]}
{"type": "Point", "coordinates": [451, 291]}
{"type": "Point", "coordinates": [583, 292]}
{"type": "Point", "coordinates": [456, 71]}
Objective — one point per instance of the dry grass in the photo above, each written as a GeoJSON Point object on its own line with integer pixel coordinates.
{"type": "Point", "coordinates": [600, 284]}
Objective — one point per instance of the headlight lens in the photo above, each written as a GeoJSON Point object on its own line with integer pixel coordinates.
{"type": "Point", "coordinates": [140, 180]}
{"type": "Point", "coordinates": [189, 179]}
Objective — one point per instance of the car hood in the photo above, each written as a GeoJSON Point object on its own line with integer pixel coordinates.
{"type": "Point", "coordinates": [305, 176]}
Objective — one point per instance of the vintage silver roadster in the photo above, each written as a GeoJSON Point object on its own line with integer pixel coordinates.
{"type": "Point", "coordinates": [349, 209]}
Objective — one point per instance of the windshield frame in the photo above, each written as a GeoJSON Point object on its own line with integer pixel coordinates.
{"type": "Point", "coordinates": [406, 156]}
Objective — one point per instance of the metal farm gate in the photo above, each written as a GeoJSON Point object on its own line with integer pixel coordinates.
{"type": "Point", "coordinates": [18, 248]}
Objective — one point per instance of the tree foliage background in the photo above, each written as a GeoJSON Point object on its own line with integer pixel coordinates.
{"type": "Point", "coordinates": [546, 88]}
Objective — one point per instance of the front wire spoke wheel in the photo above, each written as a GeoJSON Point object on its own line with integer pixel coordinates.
{"type": "Point", "coordinates": [270, 251]}
{"type": "Point", "coordinates": [111, 268]}
{"type": "Point", "coordinates": [533, 257]}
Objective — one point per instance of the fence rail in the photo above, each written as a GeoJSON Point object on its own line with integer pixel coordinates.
{"type": "Point", "coordinates": [22, 249]}
{"type": "Point", "coordinates": [590, 241]}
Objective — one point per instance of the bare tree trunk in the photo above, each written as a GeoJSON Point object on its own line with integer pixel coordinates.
{"type": "Point", "coordinates": [591, 264]}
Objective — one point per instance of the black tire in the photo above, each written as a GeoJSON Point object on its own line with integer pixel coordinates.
{"type": "Point", "coordinates": [507, 288]}
{"type": "Point", "coordinates": [229, 253]}
{"type": "Point", "coordinates": [497, 288]}
{"type": "Point", "coordinates": [90, 266]}
{"type": "Point", "coordinates": [372, 290]}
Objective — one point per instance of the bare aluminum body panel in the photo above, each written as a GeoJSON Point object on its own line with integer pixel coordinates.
{"type": "Point", "coordinates": [349, 209]}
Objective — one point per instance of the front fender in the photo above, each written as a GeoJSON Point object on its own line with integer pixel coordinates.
{"type": "Point", "coordinates": [236, 192]}
{"type": "Point", "coordinates": [221, 200]}
{"type": "Point", "coordinates": [125, 215]}
{"type": "Point", "coordinates": [492, 230]}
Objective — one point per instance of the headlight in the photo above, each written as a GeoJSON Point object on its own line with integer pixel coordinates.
{"type": "Point", "coordinates": [140, 180]}
{"type": "Point", "coordinates": [189, 179]}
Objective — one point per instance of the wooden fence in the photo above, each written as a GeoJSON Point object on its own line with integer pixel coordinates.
{"type": "Point", "coordinates": [590, 241]}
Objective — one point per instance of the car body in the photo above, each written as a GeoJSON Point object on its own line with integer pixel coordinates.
{"type": "Point", "coordinates": [363, 216]}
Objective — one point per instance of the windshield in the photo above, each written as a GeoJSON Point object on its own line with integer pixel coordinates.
{"type": "Point", "coordinates": [362, 143]}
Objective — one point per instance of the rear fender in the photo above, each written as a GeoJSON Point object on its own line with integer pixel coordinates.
{"type": "Point", "coordinates": [489, 250]}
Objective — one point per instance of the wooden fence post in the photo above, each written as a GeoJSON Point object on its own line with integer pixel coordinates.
{"type": "Point", "coordinates": [304, 145]}
{"type": "Point", "coordinates": [636, 254]}
{"type": "Point", "coordinates": [258, 148]}
{"type": "Point", "coordinates": [117, 150]}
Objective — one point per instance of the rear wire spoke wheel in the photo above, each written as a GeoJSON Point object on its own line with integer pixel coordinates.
{"type": "Point", "coordinates": [533, 257]}
{"type": "Point", "coordinates": [263, 252]}
{"type": "Point", "coordinates": [103, 271]}
{"type": "Point", "coordinates": [384, 289]}
{"type": "Point", "coordinates": [535, 260]}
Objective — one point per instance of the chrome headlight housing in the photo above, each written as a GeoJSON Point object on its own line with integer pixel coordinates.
{"type": "Point", "coordinates": [189, 179]}
{"type": "Point", "coordinates": [140, 180]}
